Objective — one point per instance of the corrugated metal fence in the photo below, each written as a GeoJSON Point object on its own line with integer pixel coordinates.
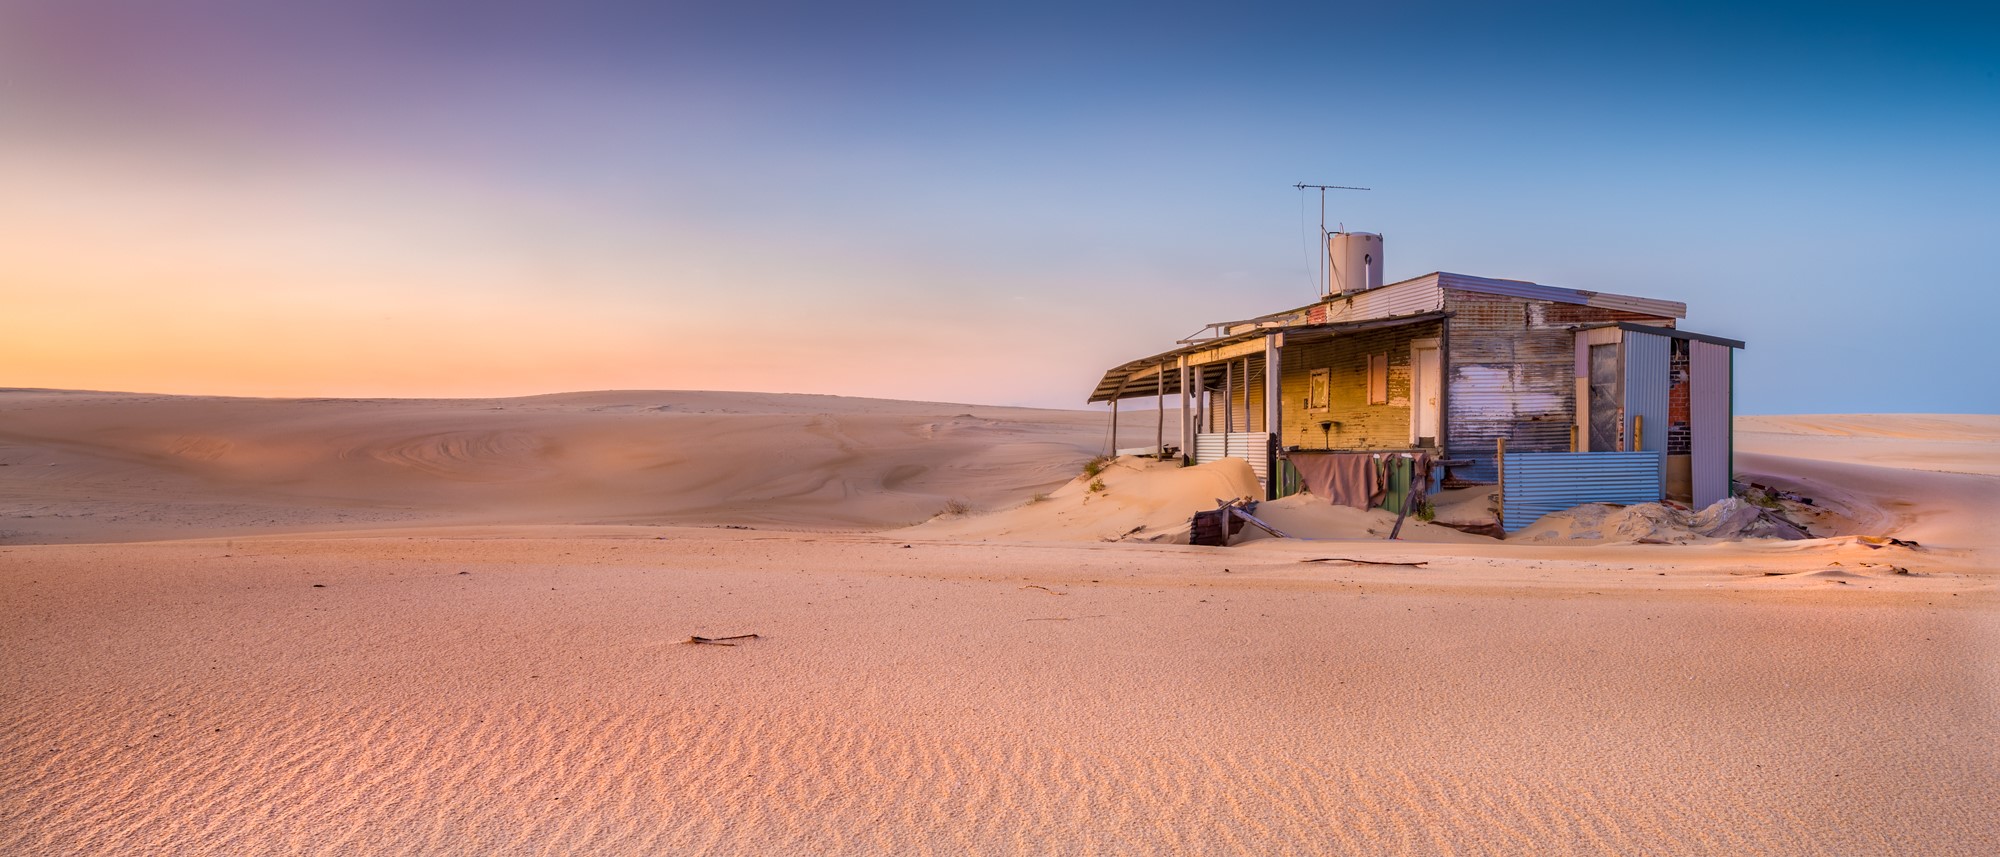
{"type": "Point", "coordinates": [1533, 484]}
{"type": "Point", "coordinates": [1251, 446]}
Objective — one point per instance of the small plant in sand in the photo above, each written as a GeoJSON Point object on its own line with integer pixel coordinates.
{"type": "Point", "coordinates": [955, 506]}
{"type": "Point", "coordinates": [1096, 485]}
{"type": "Point", "coordinates": [1096, 465]}
{"type": "Point", "coordinates": [1427, 512]}
{"type": "Point", "coordinates": [1037, 499]}
{"type": "Point", "coordinates": [1757, 496]}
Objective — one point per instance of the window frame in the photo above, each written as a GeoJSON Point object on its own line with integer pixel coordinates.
{"type": "Point", "coordinates": [1378, 378]}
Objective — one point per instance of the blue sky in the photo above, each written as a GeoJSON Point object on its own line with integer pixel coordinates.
{"type": "Point", "coordinates": [989, 204]}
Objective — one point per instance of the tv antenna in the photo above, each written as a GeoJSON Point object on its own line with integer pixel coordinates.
{"type": "Point", "coordinates": [1323, 188]}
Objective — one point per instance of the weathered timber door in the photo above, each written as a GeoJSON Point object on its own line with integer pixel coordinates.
{"type": "Point", "coordinates": [1426, 389]}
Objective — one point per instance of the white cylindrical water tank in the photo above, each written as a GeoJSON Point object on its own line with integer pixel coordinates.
{"type": "Point", "coordinates": [1354, 262]}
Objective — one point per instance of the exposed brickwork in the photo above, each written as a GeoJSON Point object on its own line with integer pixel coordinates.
{"type": "Point", "coordinates": [1680, 437]}
{"type": "Point", "coordinates": [1555, 313]}
{"type": "Point", "coordinates": [1362, 425]}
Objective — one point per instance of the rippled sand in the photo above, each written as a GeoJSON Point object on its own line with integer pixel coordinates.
{"type": "Point", "coordinates": [941, 698]}
{"type": "Point", "coordinates": [490, 672]}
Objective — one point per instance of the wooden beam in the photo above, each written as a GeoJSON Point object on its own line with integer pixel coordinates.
{"type": "Point", "coordinates": [1221, 353]}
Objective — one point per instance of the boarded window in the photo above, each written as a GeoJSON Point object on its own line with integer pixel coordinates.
{"type": "Point", "coordinates": [1378, 379]}
{"type": "Point", "coordinates": [1319, 389]}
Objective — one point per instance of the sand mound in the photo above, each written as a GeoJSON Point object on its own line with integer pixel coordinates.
{"type": "Point", "coordinates": [1147, 500]}
{"type": "Point", "coordinates": [1307, 517]}
{"type": "Point", "coordinates": [1133, 498]}
{"type": "Point", "coordinates": [1654, 523]}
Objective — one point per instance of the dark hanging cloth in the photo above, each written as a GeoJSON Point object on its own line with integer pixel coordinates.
{"type": "Point", "coordinates": [1342, 478]}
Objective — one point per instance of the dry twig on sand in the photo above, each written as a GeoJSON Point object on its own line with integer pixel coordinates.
{"type": "Point", "coordinates": [1361, 561]}
{"type": "Point", "coordinates": [1044, 589]}
{"type": "Point", "coordinates": [718, 641]}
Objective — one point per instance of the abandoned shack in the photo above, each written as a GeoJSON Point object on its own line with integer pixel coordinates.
{"type": "Point", "coordinates": [1562, 396]}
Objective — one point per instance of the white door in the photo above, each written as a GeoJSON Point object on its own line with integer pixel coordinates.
{"type": "Point", "coordinates": [1426, 388]}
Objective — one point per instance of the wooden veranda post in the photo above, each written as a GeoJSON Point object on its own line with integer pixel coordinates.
{"type": "Point", "coordinates": [1274, 343]}
{"type": "Point", "coordinates": [1229, 397]}
{"type": "Point", "coordinates": [1187, 421]}
{"type": "Point", "coordinates": [1115, 396]}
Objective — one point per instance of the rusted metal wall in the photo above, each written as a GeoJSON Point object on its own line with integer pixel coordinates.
{"type": "Point", "coordinates": [1710, 368]}
{"type": "Point", "coordinates": [1511, 373]}
{"type": "Point", "coordinates": [1504, 379]}
{"type": "Point", "coordinates": [1646, 383]}
{"type": "Point", "coordinates": [1539, 483]}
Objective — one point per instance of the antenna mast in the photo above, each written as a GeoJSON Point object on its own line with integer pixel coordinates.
{"type": "Point", "coordinates": [1323, 188]}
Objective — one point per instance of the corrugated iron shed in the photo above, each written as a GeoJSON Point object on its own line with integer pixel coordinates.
{"type": "Point", "coordinates": [1710, 414]}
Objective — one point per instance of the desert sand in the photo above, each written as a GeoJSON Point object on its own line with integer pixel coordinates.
{"type": "Point", "coordinates": [237, 626]}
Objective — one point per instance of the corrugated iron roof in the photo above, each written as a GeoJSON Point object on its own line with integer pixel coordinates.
{"type": "Point", "coordinates": [1143, 377]}
{"type": "Point", "coordinates": [1134, 379]}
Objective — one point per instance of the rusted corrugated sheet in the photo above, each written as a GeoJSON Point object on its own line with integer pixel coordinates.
{"type": "Point", "coordinates": [1525, 403]}
{"type": "Point", "coordinates": [1251, 446]}
{"type": "Point", "coordinates": [1539, 292]}
{"type": "Point", "coordinates": [1709, 368]}
{"type": "Point", "coordinates": [1646, 382]}
{"type": "Point", "coordinates": [1505, 380]}
{"type": "Point", "coordinates": [1542, 482]}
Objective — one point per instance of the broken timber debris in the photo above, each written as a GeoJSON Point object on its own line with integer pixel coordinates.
{"type": "Point", "coordinates": [1217, 528]}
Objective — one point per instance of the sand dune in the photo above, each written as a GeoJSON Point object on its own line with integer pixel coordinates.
{"type": "Point", "coordinates": [477, 646]}
{"type": "Point", "coordinates": [98, 467]}
{"type": "Point", "coordinates": [1951, 443]}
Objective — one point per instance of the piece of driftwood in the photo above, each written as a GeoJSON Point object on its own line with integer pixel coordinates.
{"type": "Point", "coordinates": [718, 641]}
{"type": "Point", "coordinates": [1361, 561]}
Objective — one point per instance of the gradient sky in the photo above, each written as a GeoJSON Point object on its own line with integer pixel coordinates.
{"type": "Point", "coordinates": [994, 204]}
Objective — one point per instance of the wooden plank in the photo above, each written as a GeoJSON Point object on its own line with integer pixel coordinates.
{"type": "Point", "coordinates": [1221, 353]}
